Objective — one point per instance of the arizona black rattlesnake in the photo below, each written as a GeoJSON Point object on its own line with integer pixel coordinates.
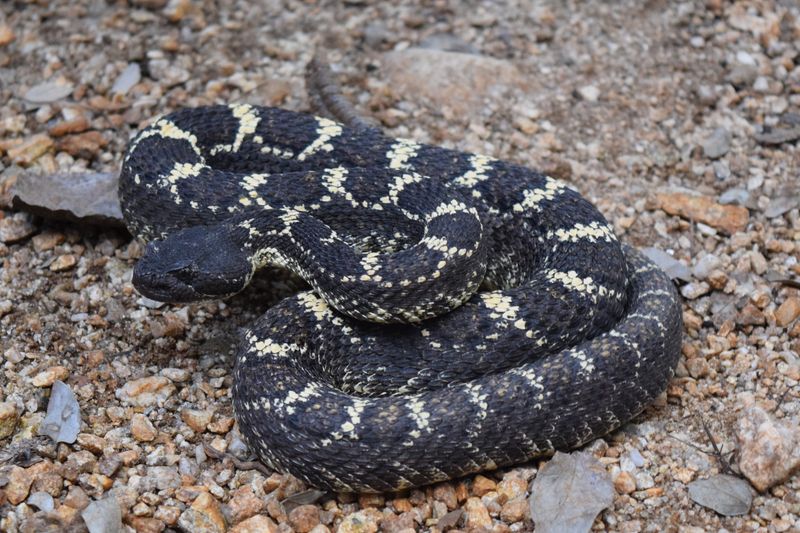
{"type": "Point", "coordinates": [466, 312]}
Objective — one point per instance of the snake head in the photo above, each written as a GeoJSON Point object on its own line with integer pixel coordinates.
{"type": "Point", "coordinates": [196, 263]}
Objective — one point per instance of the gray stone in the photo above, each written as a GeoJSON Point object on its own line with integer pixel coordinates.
{"type": "Point", "coordinates": [675, 269]}
{"type": "Point", "coordinates": [103, 516]}
{"type": "Point", "coordinates": [79, 197]}
{"type": "Point", "coordinates": [694, 290]}
{"type": "Point", "coordinates": [717, 144]}
{"type": "Point", "coordinates": [706, 264]}
{"type": "Point", "coordinates": [48, 92]}
{"type": "Point", "coordinates": [16, 228]}
{"type": "Point", "coordinates": [447, 79]}
{"type": "Point", "coordinates": [63, 420]}
{"type": "Point", "coordinates": [127, 79]}
{"type": "Point", "coordinates": [448, 43]}
{"type": "Point", "coordinates": [721, 170]}
{"type": "Point", "coordinates": [735, 197]}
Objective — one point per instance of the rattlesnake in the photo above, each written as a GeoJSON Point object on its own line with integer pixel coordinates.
{"type": "Point", "coordinates": [465, 312]}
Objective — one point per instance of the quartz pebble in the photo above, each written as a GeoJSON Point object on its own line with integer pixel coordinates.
{"type": "Point", "coordinates": [9, 416]}
{"type": "Point", "coordinates": [769, 449]}
{"type": "Point", "coordinates": [142, 428]}
{"type": "Point", "coordinates": [146, 391]}
{"type": "Point", "coordinates": [203, 515]}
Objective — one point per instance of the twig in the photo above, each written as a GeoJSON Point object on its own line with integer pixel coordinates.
{"type": "Point", "coordinates": [691, 445]}
{"type": "Point", "coordinates": [716, 452]}
{"type": "Point", "coordinates": [788, 283]}
{"type": "Point", "coordinates": [238, 463]}
{"type": "Point", "coordinates": [27, 452]}
{"type": "Point", "coordinates": [726, 466]}
{"type": "Point", "coordinates": [784, 394]}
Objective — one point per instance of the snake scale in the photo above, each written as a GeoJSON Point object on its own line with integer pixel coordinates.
{"type": "Point", "coordinates": [464, 313]}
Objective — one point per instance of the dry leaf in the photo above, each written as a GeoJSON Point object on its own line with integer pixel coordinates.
{"type": "Point", "coordinates": [569, 492]}
{"type": "Point", "coordinates": [727, 495]}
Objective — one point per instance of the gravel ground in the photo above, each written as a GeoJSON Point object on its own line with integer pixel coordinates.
{"type": "Point", "coordinates": [667, 115]}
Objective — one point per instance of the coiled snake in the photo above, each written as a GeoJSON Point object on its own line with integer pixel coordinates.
{"type": "Point", "coordinates": [466, 313]}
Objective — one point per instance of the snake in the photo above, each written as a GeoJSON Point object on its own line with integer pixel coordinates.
{"type": "Point", "coordinates": [462, 313]}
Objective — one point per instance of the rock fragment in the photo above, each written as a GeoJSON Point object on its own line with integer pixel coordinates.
{"type": "Point", "coordinates": [256, 524]}
{"type": "Point", "coordinates": [129, 77]}
{"type": "Point", "coordinates": [48, 92]}
{"type": "Point", "coordinates": [590, 93]}
{"type": "Point", "coordinates": [728, 218]}
{"type": "Point", "coordinates": [103, 516]}
{"type": "Point", "coordinates": [9, 416]}
{"type": "Point", "coordinates": [30, 149]}
{"type": "Point", "coordinates": [304, 518]}
{"type": "Point", "coordinates": [788, 311]}
{"type": "Point", "coordinates": [674, 268]}
{"type": "Point", "coordinates": [364, 521]}
{"type": "Point", "coordinates": [147, 391]}
{"type": "Point", "coordinates": [63, 420]}
{"type": "Point", "coordinates": [477, 514]}
{"type": "Point", "coordinates": [197, 419]}
{"type": "Point", "coordinates": [203, 515]}
{"type": "Point", "coordinates": [769, 448]}
{"type": "Point", "coordinates": [448, 79]}
{"type": "Point", "coordinates": [47, 377]}
{"type": "Point", "coordinates": [717, 144]}
{"type": "Point", "coordinates": [89, 197]}
{"type": "Point", "coordinates": [16, 228]}
{"type": "Point", "coordinates": [142, 428]}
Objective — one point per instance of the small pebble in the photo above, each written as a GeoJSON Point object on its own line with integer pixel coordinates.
{"type": "Point", "coordinates": [590, 93]}
{"type": "Point", "coordinates": [788, 311]}
{"type": "Point", "coordinates": [482, 484]}
{"type": "Point", "coordinates": [717, 144]}
{"type": "Point", "coordinates": [9, 416]}
{"type": "Point", "coordinates": [63, 262]}
{"type": "Point", "coordinates": [142, 428]}
{"type": "Point", "coordinates": [256, 524]}
{"type": "Point", "coordinates": [694, 290]}
{"type": "Point", "coordinates": [624, 483]}
{"type": "Point", "coordinates": [364, 521]}
{"type": "Point", "coordinates": [304, 518]}
{"type": "Point", "coordinates": [147, 391]}
{"type": "Point", "coordinates": [16, 228]}
{"type": "Point", "coordinates": [197, 419]}
{"type": "Point", "coordinates": [42, 501]}
{"type": "Point", "coordinates": [477, 514]}
{"type": "Point", "coordinates": [203, 515]}
{"type": "Point", "coordinates": [48, 92]}
{"type": "Point", "coordinates": [707, 264]}
{"type": "Point", "coordinates": [769, 448]}
{"type": "Point", "coordinates": [6, 35]}
{"type": "Point", "coordinates": [129, 77]}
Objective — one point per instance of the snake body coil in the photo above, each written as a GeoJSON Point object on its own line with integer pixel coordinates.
{"type": "Point", "coordinates": [466, 313]}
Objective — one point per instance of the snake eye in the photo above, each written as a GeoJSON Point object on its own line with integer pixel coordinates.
{"type": "Point", "coordinates": [186, 272]}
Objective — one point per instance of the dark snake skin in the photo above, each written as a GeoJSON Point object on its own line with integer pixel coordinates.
{"type": "Point", "coordinates": [466, 313]}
